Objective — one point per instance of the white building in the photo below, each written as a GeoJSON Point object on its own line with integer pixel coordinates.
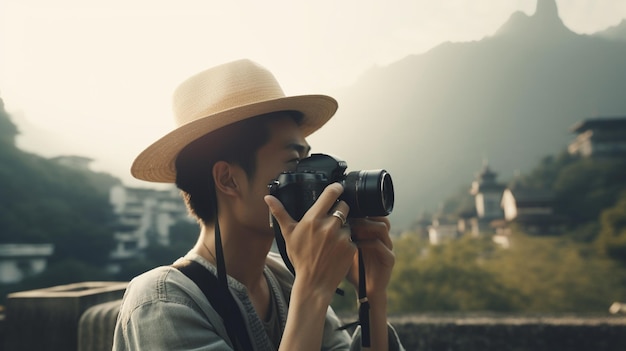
{"type": "Point", "coordinates": [442, 230]}
{"type": "Point", "coordinates": [73, 161]}
{"type": "Point", "coordinates": [599, 137]}
{"type": "Point", "coordinates": [532, 209]}
{"type": "Point", "coordinates": [18, 261]}
{"type": "Point", "coordinates": [519, 203]}
{"type": "Point", "coordinates": [144, 217]}
{"type": "Point", "coordinates": [487, 194]}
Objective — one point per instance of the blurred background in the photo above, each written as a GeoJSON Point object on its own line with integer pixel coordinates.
{"type": "Point", "coordinates": [502, 123]}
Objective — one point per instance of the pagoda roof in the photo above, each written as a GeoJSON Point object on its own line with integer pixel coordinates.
{"type": "Point", "coordinates": [617, 122]}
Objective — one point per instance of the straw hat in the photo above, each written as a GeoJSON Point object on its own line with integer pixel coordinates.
{"type": "Point", "coordinates": [218, 97]}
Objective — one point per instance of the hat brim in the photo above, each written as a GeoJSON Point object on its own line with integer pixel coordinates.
{"type": "Point", "coordinates": [157, 162]}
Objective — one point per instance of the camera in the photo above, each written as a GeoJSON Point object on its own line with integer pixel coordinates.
{"type": "Point", "coordinates": [368, 193]}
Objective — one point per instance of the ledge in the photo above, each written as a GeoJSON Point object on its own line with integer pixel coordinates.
{"type": "Point", "coordinates": [503, 332]}
{"type": "Point", "coordinates": [75, 290]}
{"type": "Point", "coordinates": [52, 314]}
{"type": "Point", "coordinates": [82, 317]}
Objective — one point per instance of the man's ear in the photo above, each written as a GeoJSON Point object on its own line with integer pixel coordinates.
{"type": "Point", "coordinates": [225, 176]}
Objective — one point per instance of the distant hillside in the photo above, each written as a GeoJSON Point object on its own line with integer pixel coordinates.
{"type": "Point", "coordinates": [42, 201]}
{"type": "Point", "coordinates": [431, 119]}
{"type": "Point", "coordinates": [617, 33]}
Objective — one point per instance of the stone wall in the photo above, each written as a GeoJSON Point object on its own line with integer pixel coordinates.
{"type": "Point", "coordinates": [503, 332]}
{"type": "Point", "coordinates": [47, 319]}
{"type": "Point", "coordinates": [82, 316]}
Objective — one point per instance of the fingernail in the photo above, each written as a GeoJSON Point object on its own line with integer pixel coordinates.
{"type": "Point", "coordinates": [271, 219]}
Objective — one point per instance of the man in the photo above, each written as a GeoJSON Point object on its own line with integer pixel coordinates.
{"type": "Point", "coordinates": [237, 131]}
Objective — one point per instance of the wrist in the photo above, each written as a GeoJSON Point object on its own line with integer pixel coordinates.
{"type": "Point", "coordinates": [311, 294]}
{"type": "Point", "coordinates": [304, 328]}
{"type": "Point", "coordinates": [377, 304]}
{"type": "Point", "coordinates": [378, 296]}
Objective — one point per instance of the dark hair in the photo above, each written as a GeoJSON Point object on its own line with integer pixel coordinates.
{"type": "Point", "coordinates": [235, 143]}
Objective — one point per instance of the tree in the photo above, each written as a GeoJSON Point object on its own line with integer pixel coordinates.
{"type": "Point", "coordinates": [536, 274]}
{"type": "Point", "coordinates": [8, 130]}
{"type": "Point", "coordinates": [448, 277]}
{"type": "Point", "coordinates": [546, 173]}
{"type": "Point", "coordinates": [612, 238]}
{"type": "Point", "coordinates": [582, 187]}
{"type": "Point", "coordinates": [44, 202]}
{"type": "Point", "coordinates": [59, 273]}
{"type": "Point", "coordinates": [556, 274]}
{"type": "Point", "coordinates": [585, 187]}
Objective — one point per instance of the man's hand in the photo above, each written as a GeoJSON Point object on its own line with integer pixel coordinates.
{"type": "Point", "coordinates": [319, 246]}
{"type": "Point", "coordinates": [371, 235]}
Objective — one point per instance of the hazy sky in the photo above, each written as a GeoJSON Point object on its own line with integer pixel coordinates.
{"type": "Point", "coordinates": [94, 78]}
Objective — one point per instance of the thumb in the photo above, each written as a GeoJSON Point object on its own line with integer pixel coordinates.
{"type": "Point", "coordinates": [278, 211]}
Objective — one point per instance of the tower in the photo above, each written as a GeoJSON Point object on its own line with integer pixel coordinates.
{"type": "Point", "coordinates": [487, 194]}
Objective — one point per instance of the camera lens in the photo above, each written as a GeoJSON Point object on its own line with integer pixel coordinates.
{"type": "Point", "coordinates": [368, 193]}
{"type": "Point", "coordinates": [386, 191]}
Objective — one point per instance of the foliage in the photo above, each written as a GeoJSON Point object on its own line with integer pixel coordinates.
{"type": "Point", "coordinates": [612, 238]}
{"type": "Point", "coordinates": [586, 187]}
{"type": "Point", "coordinates": [546, 173]}
{"type": "Point", "coordinates": [8, 130]}
{"type": "Point", "coordinates": [65, 272]}
{"type": "Point", "coordinates": [556, 274]}
{"type": "Point", "coordinates": [474, 274]}
{"type": "Point", "coordinates": [583, 187]}
{"type": "Point", "coordinates": [449, 277]}
{"type": "Point", "coordinates": [44, 202]}
{"type": "Point", "coordinates": [562, 273]}
{"type": "Point", "coordinates": [60, 273]}
{"type": "Point", "coordinates": [347, 302]}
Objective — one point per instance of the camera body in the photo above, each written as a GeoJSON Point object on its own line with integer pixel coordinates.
{"type": "Point", "coordinates": [368, 193]}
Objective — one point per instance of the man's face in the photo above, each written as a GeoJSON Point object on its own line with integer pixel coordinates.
{"type": "Point", "coordinates": [285, 148]}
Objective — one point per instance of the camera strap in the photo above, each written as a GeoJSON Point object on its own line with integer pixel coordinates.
{"type": "Point", "coordinates": [217, 292]}
{"type": "Point", "coordinates": [364, 306]}
{"type": "Point", "coordinates": [280, 244]}
{"type": "Point", "coordinates": [224, 304]}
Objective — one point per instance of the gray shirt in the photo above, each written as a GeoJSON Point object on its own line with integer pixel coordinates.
{"type": "Point", "coordinates": [162, 309]}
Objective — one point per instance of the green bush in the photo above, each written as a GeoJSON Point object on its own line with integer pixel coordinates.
{"type": "Point", "coordinates": [474, 274]}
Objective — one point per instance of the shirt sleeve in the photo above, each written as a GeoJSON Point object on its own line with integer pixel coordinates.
{"type": "Point", "coordinates": [161, 325]}
{"type": "Point", "coordinates": [160, 312]}
{"type": "Point", "coordinates": [334, 338]}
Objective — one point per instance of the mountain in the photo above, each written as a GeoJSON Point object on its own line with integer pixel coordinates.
{"type": "Point", "coordinates": [8, 130]}
{"type": "Point", "coordinates": [617, 33]}
{"type": "Point", "coordinates": [42, 201]}
{"type": "Point", "coordinates": [510, 98]}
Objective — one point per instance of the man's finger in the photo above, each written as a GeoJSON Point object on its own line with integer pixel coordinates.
{"type": "Point", "coordinates": [278, 211]}
{"type": "Point", "coordinates": [371, 229]}
{"type": "Point", "coordinates": [327, 199]}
